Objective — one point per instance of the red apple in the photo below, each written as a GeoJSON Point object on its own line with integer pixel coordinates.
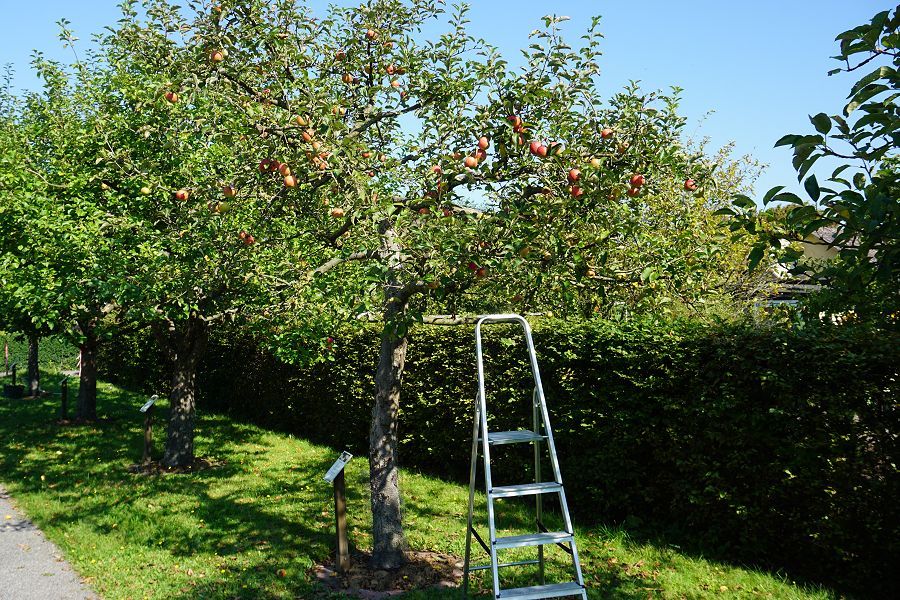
{"type": "Point", "coordinates": [340, 55]}
{"type": "Point", "coordinates": [690, 185]}
{"type": "Point", "coordinates": [483, 143]}
{"type": "Point", "coordinates": [472, 266]}
{"type": "Point", "coordinates": [576, 191]}
{"type": "Point", "coordinates": [606, 132]}
{"type": "Point", "coordinates": [337, 213]}
{"type": "Point", "coordinates": [542, 151]}
{"type": "Point", "coordinates": [229, 191]}
{"type": "Point", "coordinates": [534, 147]}
{"type": "Point", "coordinates": [633, 191]}
{"type": "Point", "coordinates": [481, 273]}
{"type": "Point", "coordinates": [366, 154]}
{"type": "Point", "coordinates": [395, 83]}
{"type": "Point", "coordinates": [574, 175]}
{"type": "Point", "coordinates": [471, 162]}
{"type": "Point", "coordinates": [216, 56]}
{"type": "Point", "coordinates": [284, 169]}
{"type": "Point", "coordinates": [182, 195]}
{"type": "Point", "coordinates": [637, 180]}
{"type": "Point", "coordinates": [436, 169]}
{"type": "Point", "coordinates": [371, 34]}
{"type": "Point", "coordinates": [424, 210]}
{"type": "Point", "coordinates": [516, 121]}
{"type": "Point", "coordinates": [171, 97]}
{"type": "Point", "coordinates": [290, 181]}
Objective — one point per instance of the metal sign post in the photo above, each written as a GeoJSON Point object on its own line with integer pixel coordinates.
{"type": "Point", "coordinates": [147, 409]}
{"type": "Point", "coordinates": [335, 475]}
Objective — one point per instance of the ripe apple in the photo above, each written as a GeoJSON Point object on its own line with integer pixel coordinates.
{"type": "Point", "coordinates": [483, 142]}
{"type": "Point", "coordinates": [145, 191]}
{"type": "Point", "coordinates": [182, 195]}
{"type": "Point", "coordinates": [337, 213]}
{"type": "Point", "coordinates": [390, 69]}
{"type": "Point", "coordinates": [606, 132]}
{"type": "Point", "coordinates": [249, 240]}
{"type": "Point", "coordinates": [242, 234]}
{"type": "Point", "coordinates": [389, 45]}
{"type": "Point", "coordinates": [371, 34]}
{"type": "Point", "coordinates": [229, 191]}
{"type": "Point", "coordinates": [395, 83]}
{"type": "Point", "coordinates": [520, 140]}
{"type": "Point", "coordinates": [366, 154]}
{"type": "Point", "coordinates": [472, 266]}
{"type": "Point", "coordinates": [533, 147]}
{"type": "Point", "coordinates": [274, 166]}
{"type": "Point", "coordinates": [447, 212]}
{"type": "Point", "coordinates": [481, 273]}
{"type": "Point", "coordinates": [216, 56]}
{"type": "Point", "coordinates": [471, 162]}
{"type": "Point", "coordinates": [347, 78]}
{"type": "Point", "coordinates": [301, 121]}
{"type": "Point", "coordinates": [340, 55]}
{"type": "Point", "coordinates": [596, 162]}
{"type": "Point", "coordinates": [480, 154]}
{"type": "Point", "coordinates": [171, 97]}
{"type": "Point", "coordinates": [516, 121]}
{"type": "Point", "coordinates": [576, 191]}
{"type": "Point", "coordinates": [284, 169]}
{"type": "Point", "coordinates": [690, 185]}
{"type": "Point", "coordinates": [633, 191]}
{"type": "Point", "coordinates": [574, 175]}
{"type": "Point", "coordinates": [370, 173]}
{"type": "Point", "coordinates": [637, 180]}
{"type": "Point", "coordinates": [290, 181]}
{"type": "Point", "coordinates": [623, 147]}
{"type": "Point", "coordinates": [307, 135]}
{"type": "Point", "coordinates": [436, 169]}
{"type": "Point", "coordinates": [542, 151]}
{"type": "Point", "coordinates": [590, 273]}
{"type": "Point", "coordinates": [424, 210]}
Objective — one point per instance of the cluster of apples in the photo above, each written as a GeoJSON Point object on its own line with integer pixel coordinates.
{"type": "Point", "coordinates": [318, 156]}
{"type": "Point", "coordinates": [270, 165]}
{"type": "Point", "coordinates": [480, 272]}
{"type": "Point", "coordinates": [479, 154]}
{"type": "Point", "coordinates": [636, 182]}
{"type": "Point", "coordinates": [248, 239]}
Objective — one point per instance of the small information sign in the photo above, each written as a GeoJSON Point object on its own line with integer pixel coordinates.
{"type": "Point", "coordinates": [338, 466]}
{"type": "Point", "coordinates": [149, 403]}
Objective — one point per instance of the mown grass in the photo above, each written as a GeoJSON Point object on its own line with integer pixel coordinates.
{"type": "Point", "coordinates": [227, 532]}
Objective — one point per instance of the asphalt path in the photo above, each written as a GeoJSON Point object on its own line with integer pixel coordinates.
{"type": "Point", "coordinates": [31, 566]}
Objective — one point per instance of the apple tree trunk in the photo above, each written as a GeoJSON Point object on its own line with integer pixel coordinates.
{"type": "Point", "coordinates": [86, 409]}
{"type": "Point", "coordinates": [34, 368]}
{"type": "Point", "coordinates": [187, 346]}
{"type": "Point", "coordinates": [389, 540]}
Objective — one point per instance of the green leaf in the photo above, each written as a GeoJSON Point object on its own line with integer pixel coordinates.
{"type": "Point", "coordinates": [821, 122]}
{"type": "Point", "coordinates": [756, 255]}
{"type": "Point", "coordinates": [812, 187]}
{"type": "Point", "coordinates": [768, 197]}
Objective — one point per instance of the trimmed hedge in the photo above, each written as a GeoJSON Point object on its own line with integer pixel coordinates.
{"type": "Point", "coordinates": [55, 353]}
{"type": "Point", "coordinates": [763, 444]}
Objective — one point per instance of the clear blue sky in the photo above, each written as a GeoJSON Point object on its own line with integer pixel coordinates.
{"type": "Point", "coordinates": [759, 65]}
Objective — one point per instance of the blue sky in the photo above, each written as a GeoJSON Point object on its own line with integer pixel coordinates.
{"type": "Point", "coordinates": [760, 66]}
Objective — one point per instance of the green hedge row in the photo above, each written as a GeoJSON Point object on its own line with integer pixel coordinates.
{"type": "Point", "coordinates": [763, 444]}
{"type": "Point", "coordinates": [55, 353]}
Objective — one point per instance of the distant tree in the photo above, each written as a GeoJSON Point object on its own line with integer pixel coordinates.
{"type": "Point", "coordinates": [860, 202]}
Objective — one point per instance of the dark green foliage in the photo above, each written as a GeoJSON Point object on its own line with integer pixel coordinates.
{"type": "Point", "coordinates": [56, 353]}
{"type": "Point", "coordinates": [762, 444]}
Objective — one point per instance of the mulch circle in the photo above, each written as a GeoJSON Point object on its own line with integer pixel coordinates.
{"type": "Point", "coordinates": [422, 570]}
{"type": "Point", "coordinates": [155, 468]}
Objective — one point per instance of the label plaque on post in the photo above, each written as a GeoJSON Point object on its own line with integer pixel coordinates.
{"type": "Point", "coordinates": [335, 475]}
{"type": "Point", "coordinates": [149, 403]}
{"type": "Point", "coordinates": [338, 466]}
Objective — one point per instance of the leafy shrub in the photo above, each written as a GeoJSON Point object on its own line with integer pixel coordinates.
{"type": "Point", "coordinates": [770, 445]}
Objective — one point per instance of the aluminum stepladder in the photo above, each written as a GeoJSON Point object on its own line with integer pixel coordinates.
{"type": "Point", "coordinates": [482, 439]}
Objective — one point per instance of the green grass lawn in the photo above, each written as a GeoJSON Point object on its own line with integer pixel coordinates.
{"type": "Point", "coordinates": [226, 532]}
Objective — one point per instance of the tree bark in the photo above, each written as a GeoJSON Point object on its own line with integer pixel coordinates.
{"type": "Point", "coordinates": [86, 409]}
{"type": "Point", "coordinates": [389, 540]}
{"type": "Point", "coordinates": [188, 347]}
{"type": "Point", "coordinates": [34, 369]}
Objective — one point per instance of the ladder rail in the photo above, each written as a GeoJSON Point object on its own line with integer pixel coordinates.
{"type": "Point", "coordinates": [473, 471]}
{"type": "Point", "coordinates": [486, 455]}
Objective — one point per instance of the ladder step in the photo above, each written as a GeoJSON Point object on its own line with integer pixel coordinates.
{"type": "Point", "coordinates": [551, 590]}
{"type": "Point", "coordinates": [526, 489]}
{"type": "Point", "coordinates": [534, 539]}
{"type": "Point", "coordinates": [503, 565]}
{"type": "Point", "coordinates": [514, 437]}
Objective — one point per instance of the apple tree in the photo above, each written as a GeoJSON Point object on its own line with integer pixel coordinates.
{"type": "Point", "coordinates": [417, 174]}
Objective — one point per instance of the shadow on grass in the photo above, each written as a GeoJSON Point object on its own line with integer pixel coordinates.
{"type": "Point", "coordinates": [250, 528]}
